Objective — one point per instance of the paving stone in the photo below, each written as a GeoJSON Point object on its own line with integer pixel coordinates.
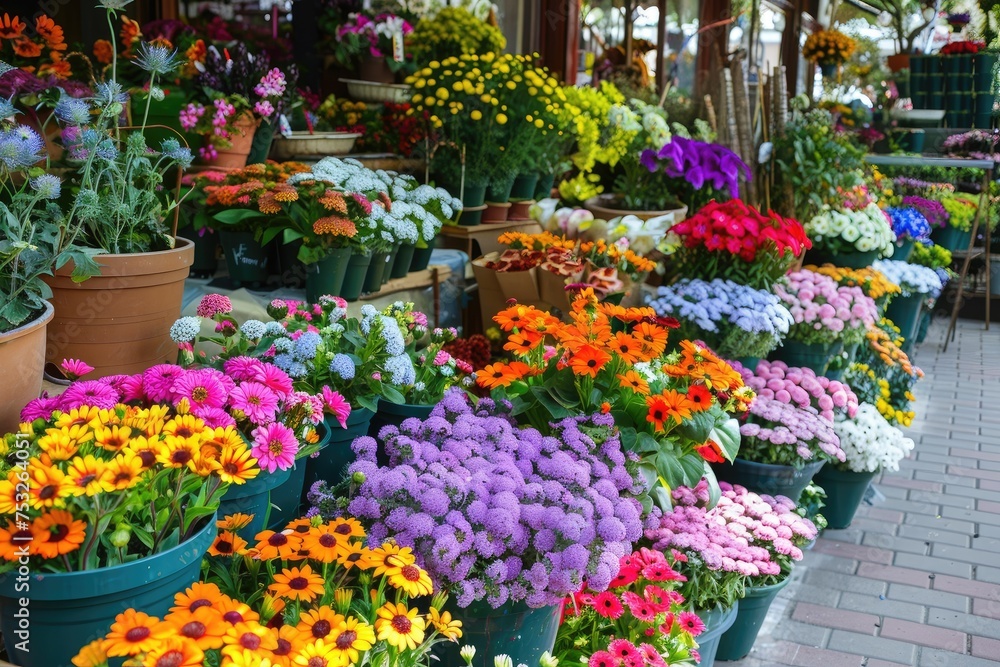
{"type": "Point", "coordinates": [923, 596]}
{"type": "Point", "coordinates": [986, 573]}
{"type": "Point", "coordinates": [869, 525]}
{"type": "Point", "coordinates": [872, 647]}
{"type": "Point", "coordinates": [989, 485]}
{"type": "Point", "coordinates": [948, 500]}
{"type": "Point", "coordinates": [850, 535]}
{"type": "Point", "coordinates": [919, 485]}
{"type": "Point", "coordinates": [988, 506]}
{"type": "Point", "coordinates": [837, 581]}
{"type": "Point", "coordinates": [933, 536]}
{"type": "Point", "coordinates": [973, 625]}
{"type": "Point", "coordinates": [984, 647]}
{"type": "Point", "coordinates": [880, 605]}
{"type": "Point", "coordinates": [899, 575]}
{"type": "Point", "coordinates": [880, 514]}
{"type": "Point", "coordinates": [821, 561]}
{"type": "Point", "coordinates": [987, 609]}
{"type": "Point", "coordinates": [933, 657]}
{"type": "Point", "coordinates": [805, 633]}
{"type": "Point", "coordinates": [968, 587]}
{"type": "Point", "coordinates": [932, 564]}
{"type": "Point", "coordinates": [854, 551]}
{"type": "Point", "coordinates": [808, 656]}
{"type": "Point", "coordinates": [974, 556]}
{"type": "Point", "coordinates": [829, 617]}
{"type": "Point", "coordinates": [952, 525]}
{"type": "Point", "coordinates": [875, 662]}
{"type": "Point", "coordinates": [923, 465]}
{"type": "Point", "coordinates": [943, 478]}
{"type": "Point", "coordinates": [895, 543]}
{"type": "Point", "coordinates": [918, 633]}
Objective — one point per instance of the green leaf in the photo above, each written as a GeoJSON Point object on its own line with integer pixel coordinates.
{"type": "Point", "coordinates": [232, 216]}
{"type": "Point", "coordinates": [694, 468]}
{"type": "Point", "coordinates": [727, 435]}
{"type": "Point", "coordinates": [698, 426]}
{"type": "Point", "coordinates": [268, 234]}
{"type": "Point", "coordinates": [191, 514]}
{"type": "Point", "coordinates": [714, 492]}
{"type": "Point", "coordinates": [554, 407]}
{"type": "Point", "coordinates": [392, 395]}
{"type": "Point", "coordinates": [368, 402]}
{"type": "Point", "coordinates": [646, 443]}
{"type": "Point", "coordinates": [669, 468]}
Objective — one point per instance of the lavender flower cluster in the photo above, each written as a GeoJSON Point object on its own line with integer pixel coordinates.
{"type": "Point", "coordinates": [499, 513]}
{"type": "Point", "coordinates": [708, 304]}
{"type": "Point", "coordinates": [785, 434]}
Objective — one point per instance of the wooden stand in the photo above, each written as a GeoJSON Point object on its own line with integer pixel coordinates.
{"type": "Point", "coordinates": [432, 276]}
{"type": "Point", "coordinates": [465, 238]}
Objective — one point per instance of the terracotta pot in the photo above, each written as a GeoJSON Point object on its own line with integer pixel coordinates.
{"type": "Point", "coordinates": [519, 210]}
{"type": "Point", "coordinates": [22, 356]}
{"type": "Point", "coordinates": [898, 62]}
{"type": "Point", "coordinates": [241, 138]}
{"type": "Point", "coordinates": [495, 212]}
{"type": "Point", "coordinates": [118, 322]}
{"type": "Point", "coordinates": [604, 207]}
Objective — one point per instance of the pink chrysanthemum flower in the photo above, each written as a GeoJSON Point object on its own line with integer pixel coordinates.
{"type": "Point", "coordinates": [336, 405]}
{"type": "Point", "coordinates": [74, 369]}
{"type": "Point", "coordinates": [258, 402]}
{"type": "Point", "coordinates": [274, 379]}
{"type": "Point", "coordinates": [39, 408]}
{"type": "Point", "coordinates": [214, 304]}
{"type": "Point", "coordinates": [202, 388]}
{"type": "Point", "coordinates": [133, 388]}
{"type": "Point", "coordinates": [602, 659]}
{"type": "Point", "coordinates": [441, 358]}
{"type": "Point", "coordinates": [88, 392]}
{"type": "Point", "coordinates": [159, 381]}
{"type": "Point", "coordinates": [626, 651]}
{"type": "Point", "coordinates": [214, 417]}
{"type": "Point", "coordinates": [274, 447]}
{"type": "Point", "coordinates": [242, 368]}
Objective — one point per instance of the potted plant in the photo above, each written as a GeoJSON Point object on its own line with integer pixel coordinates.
{"type": "Point", "coordinates": [871, 445]}
{"type": "Point", "coordinates": [126, 481]}
{"type": "Point", "coordinates": [910, 227]}
{"type": "Point", "coordinates": [918, 284]}
{"type": "Point", "coordinates": [286, 609]}
{"type": "Point", "coordinates": [377, 42]}
{"type": "Point", "coordinates": [957, 233]}
{"type": "Point", "coordinates": [938, 259]}
{"type": "Point", "coordinates": [641, 614]}
{"type": "Point", "coordinates": [825, 315]}
{"type": "Point", "coordinates": [507, 554]}
{"type": "Point", "coordinates": [455, 31]}
{"type": "Point", "coordinates": [830, 48]}
{"type": "Point", "coordinates": [883, 375]}
{"type": "Point", "coordinates": [736, 321]}
{"type": "Point", "coordinates": [852, 237]}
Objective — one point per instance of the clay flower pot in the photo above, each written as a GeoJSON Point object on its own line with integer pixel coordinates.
{"type": "Point", "coordinates": [22, 356]}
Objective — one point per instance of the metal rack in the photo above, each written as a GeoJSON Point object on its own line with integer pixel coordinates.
{"type": "Point", "coordinates": [971, 252]}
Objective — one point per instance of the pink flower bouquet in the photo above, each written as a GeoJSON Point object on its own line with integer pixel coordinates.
{"type": "Point", "coordinates": [802, 388]}
{"type": "Point", "coordinates": [823, 311]}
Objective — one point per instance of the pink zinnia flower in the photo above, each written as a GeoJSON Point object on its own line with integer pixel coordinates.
{"type": "Point", "coordinates": [256, 401]}
{"type": "Point", "coordinates": [133, 389]}
{"type": "Point", "coordinates": [88, 392]}
{"type": "Point", "coordinates": [214, 417]}
{"type": "Point", "coordinates": [159, 381]}
{"type": "Point", "coordinates": [691, 622]}
{"type": "Point", "coordinates": [274, 379]}
{"type": "Point", "coordinates": [441, 358]}
{"type": "Point", "coordinates": [336, 405]}
{"type": "Point", "coordinates": [201, 387]}
{"type": "Point", "coordinates": [39, 408]}
{"type": "Point", "coordinates": [214, 304]}
{"type": "Point", "coordinates": [274, 447]}
{"type": "Point", "coordinates": [74, 369]}
{"type": "Point", "coordinates": [242, 368]}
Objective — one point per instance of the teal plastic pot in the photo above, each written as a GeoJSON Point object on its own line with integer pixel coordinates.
{"type": "Point", "coordinates": [473, 199]}
{"type": "Point", "coordinates": [261, 145]}
{"type": "Point", "coordinates": [524, 186]}
{"type": "Point", "coordinates": [354, 278]}
{"type": "Point", "coordinates": [291, 270]}
{"type": "Point", "coordinates": [394, 414]}
{"type": "Point", "coordinates": [951, 238]}
{"type": "Point", "coordinates": [716, 621]}
{"type": "Point", "coordinates": [904, 311]}
{"type": "Point", "coordinates": [334, 459]}
{"type": "Point", "coordinates": [848, 260]}
{"type": "Point", "coordinates": [816, 356]}
{"type": "Point", "coordinates": [925, 324]}
{"type": "Point", "coordinates": [515, 629]}
{"type": "Point", "coordinates": [206, 245]}
{"type": "Point", "coordinates": [376, 269]}
{"type": "Point", "coordinates": [845, 490]}
{"type": "Point", "coordinates": [404, 258]}
{"type": "Point", "coordinates": [749, 363]}
{"type": "Point", "coordinates": [327, 275]}
{"type": "Point", "coordinates": [68, 611]}
{"type": "Point", "coordinates": [736, 642]}
{"type": "Point", "coordinates": [286, 498]}
{"type": "Point", "coordinates": [390, 263]}
{"type": "Point", "coordinates": [903, 250]}
{"type": "Point", "coordinates": [768, 478]}
{"type": "Point", "coordinates": [498, 190]}
{"type": "Point", "coordinates": [421, 258]}
{"type": "Point", "coordinates": [543, 190]}
{"type": "Point", "coordinates": [247, 260]}
{"type": "Point", "coordinates": [254, 498]}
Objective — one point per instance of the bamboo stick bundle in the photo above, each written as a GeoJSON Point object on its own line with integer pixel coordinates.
{"type": "Point", "coordinates": [744, 129]}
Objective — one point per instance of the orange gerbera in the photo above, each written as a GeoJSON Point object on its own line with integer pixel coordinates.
{"type": "Point", "coordinates": [15, 542]}
{"type": "Point", "coordinates": [501, 374]}
{"type": "Point", "coordinates": [670, 405]}
{"type": "Point", "coordinates": [227, 544]}
{"type": "Point", "coordinates": [289, 642]}
{"type": "Point", "coordinates": [91, 655]}
{"type": "Point", "coordinates": [57, 533]}
{"type": "Point", "coordinates": [353, 555]}
{"type": "Point", "coordinates": [11, 28]}
{"type": "Point", "coordinates": [515, 316]}
{"type": "Point", "coordinates": [711, 452]}
{"type": "Point", "coordinates": [700, 397]}
{"type": "Point", "coordinates": [626, 346]}
{"type": "Point", "coordinates": [319, 623]}
{"type": "Point", "coordinates": [199, 594]}
{"type": "Point", "coordinates": [634, 381]}
{"type": "Point", "coordinates": [174, 652]}
{"type": "Point", "coordinates": [659, 412]}
{"type": "Point", "coordinates": [297, 584]}
{"type": "Point", "coordinates": [59, 68]}
{"type": "Point", "coordinates": [588, 360]}
{"type": "Point", "coordinates": [322, 544]}
{"type": "Point", "coordinates": [234, 521]}
{"type": "Point", "coordinates": [25, 48]}
{"type": "Point", "coordinates": [346, 528]}
{"type": "Point", "coordinates": [522, 343]}
{"type": "Point", "coordinates": [51, 33]}
{"type": "Point", "coordinates": [679, 405]}
{"type": "Point", "coordinates": [654, 337]}
{"type": "Point", "coordinates": [234, 611]}
{"type": "Point", "coordinates": [130, 32]}
{"type": "Point", "coordinates": [248, 636]}
{"type": "Point", "coordinates": [134, 632]}
{"type": "Point", "coordinates": [103, 52]}
{"type": "Point", "coordinates": [277, 545]}
{"type": "Point", "coordinates": [203, 626]}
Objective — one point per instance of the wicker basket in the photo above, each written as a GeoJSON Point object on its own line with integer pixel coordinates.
{"type": "Point", "coordinates": [373, 91]}
{"type": "Point", "coordinates": [320, 144]}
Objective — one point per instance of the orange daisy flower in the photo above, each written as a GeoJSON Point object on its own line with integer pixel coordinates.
{"type": "Point", "coordinates": [289, 641]}
{"type": "Point", "coordinates": [319, 623]}
{"type": "Point", "coordinates": [103, 52]}
{"type": "Point", "coordinates": [634, 381]}
{"type": "Point", "coordinates": [515, 316]}
{"type": "Point", "coordinates": [134, 632]}
{"type": "Point", "coordinates": [652, 336]}
{"type": "Point", "coordinates": [700, 397]}
{"type": "Point", "coordinates": [277, 545]}
{"type": "Point", "coordinates": [346, 528]}
{"type": "Point", "coordinates": [203, 626]}
{"type": "Point", "coordinates": [297, 584]}
{"type": "Point", "coordinates": [227, 544]}
{"type": "Point", "coordinates": [522, 343]}
{"type": "Point", "coordinates": [11, 28]}
{"type": "Point", "coordinates": [57, 533]}
{"type": "Point", "coordinates": [659, 412]}
{"type": "Point", "coordinates": [679, 406]}
{"type": "Point", "coordinates": [322, 544]}
{"type": "Point", "coordinates": [234, 611]}
{"type": "Point", "coordinates": [588, 360]}
{"type": "Point", "coordinates": [175, 652]}
{"type": "Point", "coordinates": [501, 374]}
{"type": "Point", "coordinates": [627, 347]}
{"type": "Point", "coordinates": [51, 33]}
{"type": "Point", "coordinates": [12, 539]}
{"type": "Point", "coordinates": [199, 594]}
{"type": "Point", "coordinates": [236, 521]}
{"type": "Point", "coordinates": [353, 555]}
{"type": "Point", "coordinates": [25, 48]}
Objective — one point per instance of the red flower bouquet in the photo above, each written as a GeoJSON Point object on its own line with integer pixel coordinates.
{"type": "Point", "coordinates": [963, 47]}
{"type": "Point", "coordinates": [733, 241]}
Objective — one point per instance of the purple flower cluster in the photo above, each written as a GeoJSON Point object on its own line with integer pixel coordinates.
{"type": "Point", "coordinates": [500, 513]}
{"type": "Point", "coordinates": [933, 210]}
{"type": "Point", "coordinates": [698, 162]}
{"type": "Point", "coordinates": [801, 387]}
{"type": "Point", "coordinates": [785, 434]}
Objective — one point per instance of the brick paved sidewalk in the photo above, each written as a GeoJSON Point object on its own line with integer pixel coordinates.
{"type": "Point", "coordinates": [915, 580]}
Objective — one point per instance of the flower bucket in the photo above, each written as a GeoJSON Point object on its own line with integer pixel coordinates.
{"type": "Point", "coordinates": [847, 260]}
{"type": "Point", "coordinates": [354, 278]}
{"type": "Point", "coordinates": [520, 210]}
{"type": "Point", "coordinates": [736, 642]}
{"type": "Point", "coordinates": [327, 275]}
{"type": "Point", "coordinates": [496, 212]}
{"type": "Point", "coordinates": [206, 246]}
{"type": "Point", "coordinates": [925, 319]}
{"type": "Point", "coordinates": [816, 356]}
{"type": "Point", "coordinates": [773, 480]}
{"type": "Point", "coordinates": [904, 311]}
{"type": "Point", "coordinates": [903, 250]}
{"type": "Point", "coordinates": [524, 186]}
{"type": "Point", "coordinates": [375, 69]}
{"type": "Point", "coordinates": [337, 454]}
{"type": "Point", "coordinates": [70, 610]}
{"type": "Point", "coordinates": [254, 497]}
{"type": "Point", "coordinates": [393, 414]}
{"type": "Point", "coordinates": [473, 203]}
{"type": "Point", "coordinates": [514, 629]}
{"type": "Point", "coordinates": [22, 356]}
{"type": "Point", "coordinates": [376, 269]}
{"type": "Point", "coordinates": [828, 70]}
{"type": "Point", "coordinates": [607, 207]}
{"type": "Point", "coordinates": [471, 216]}
{"type": "Point", "coordinates": [404, 258]}
{"type": "Point", "coordinates": [421, 258]}
{"type": "Point", "coordinates": [543, 190]}
{"type": "Point", "coordinates": [260, 147]}
{"type": "Point", "coordinates": [247, 260]}
{"type": "Point", "coordinates": [951, 238]}
{"type": "Point", "coordinates": [749, 363]}
{"type": "Point", "coordinates": [716, 621]}
{"type": "Point", "coordinates": [845, 489]}
{"type": "Point", "coordinates": [291, 270]}
{"type": "Point", "coordinates": [390, 263]}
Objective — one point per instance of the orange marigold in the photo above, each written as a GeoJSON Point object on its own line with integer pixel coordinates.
{"type": "Point", "coordinates": [103, 51]}
{"type": "Point", "coordinates": [51, 33]}
{"type": "Point", "coordinates": [333, 226]}
{"type": "Point", "coordinates": [58, 68]}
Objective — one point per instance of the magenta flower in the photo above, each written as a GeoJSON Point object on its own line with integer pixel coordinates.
{"type": "Point", "coordinates": [202, 388]}
{"type": "Point", "coordinates": [691, 622]}
{"type": "Point", "coordinates": [74, 369]}
{"type": "Point", "coordinates": [257, 401]}
{"type": "Point", "coordinates": [214, 417]}
{"type": "Point", "coordinates": [159, 382]}
{"type": "Point", "coordinates": [40, 408]}
{"type": "Point", "coordinates": [88, 392]}
{"type": "Point", "coordinates": [214, 304]}
{"type": "Point", "coordinates": [274, 379]}
{"type": "Point", "coordinates": [336, 405]}
{"type": "Point", "coordinates": [242, 368]}
{"type": "Point", "coordinates": [274, 447]}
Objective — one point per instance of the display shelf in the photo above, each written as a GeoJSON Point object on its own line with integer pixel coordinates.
{"type": "Point", "coordinates": [465, 237]}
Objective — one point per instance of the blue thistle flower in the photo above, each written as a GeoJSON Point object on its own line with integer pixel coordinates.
{"type": "Point", "coordinates": [156, 59]}
{"type": "Point", "coordinates": [72, 110]}
{"type": "Point", "coordinates": [6, 106]}
{"type": "Point", "coordinates": [48, 186]}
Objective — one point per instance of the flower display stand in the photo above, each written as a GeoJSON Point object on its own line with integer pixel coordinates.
{"type": "Point", "coordinates": [479, 240]}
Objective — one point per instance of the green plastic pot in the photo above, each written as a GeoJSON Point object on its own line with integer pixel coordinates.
{"type": "Point", "coordinates": [261, 145]}
{"type": "Point", "coordinates": [736, 642]}
{"type": "Point", "coordinates": [337, 455]}
{"type": "Point", "coordinates": [354, 278]}
{"type": "Point", "coordinates": [206, 245]}
{"type": "Point", "coordinates": [394, 414]}
{"type": "Point", "coordinates": [247, 260]}
{"type": "Point", "coordinates": [904, 311]}
{"type": "Point", "coordinates": [918, 82]}
{"type": "Point", "coordinates": [291, 270]}
{"type": "Point", "coordinates": [253, 497]}
{"type": "Point", "coordinates": [473, 199]}
{"type": "Point", "coordinates": [543, 190]}
{"type": "Point", "coordinates": [514, 629]}
{"type": "Point", "coordinates": [68, 611]}
{"type": "Point", "coordinates": [498, 190]}
{"type": "Point", "coordinates": [768, 478]}
{"type": "Point", "coordinates": [327, 275]}
{"type": "Point", "coordinates": [849, 260]}
{"type": "Point", "coordinates": [816, 356]}
{"type": "Point", "coordinates": [716, 621]}
{"type": "Point", "coordinates": [376, 269]}
{"type": "Point", "coordinates": [845, 489]}
{"type": "Point", "coordinates": [925, 324]}
{"type": "Point", "coordinates": [404, 258]}
{"type": "Point", "coordinates": [421, 258]}
{"type": "Point", "coordinates": [984, 64]}
{"type": "Point", "coordinates": [390, 263]}
{"type": "Point", "coordinates": [951, 238]}
{"type": "Point", "coordinates": [903, 250]}
{"type": "Point", "coordinates": [524, 186]}
{"type": "Point", "coordinates": [286, 498]}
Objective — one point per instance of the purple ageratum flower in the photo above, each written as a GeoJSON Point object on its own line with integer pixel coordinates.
{"type": "Point", "coordinates": [498, 513]}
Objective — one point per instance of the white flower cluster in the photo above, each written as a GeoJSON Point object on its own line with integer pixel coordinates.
{"type": "Point", "coordinates": [630, 231]}
{"type": "Point", "coordinates": [867, 229]}
{"type": "Point", "coordinates": [347, 174]}
{"type": "Point", "coordinates": [911, 278]}
{"type": "Point", "coordinates": [870, 442]}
